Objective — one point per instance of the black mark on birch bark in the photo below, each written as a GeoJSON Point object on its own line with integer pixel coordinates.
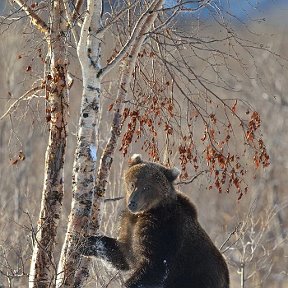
{"type": "Point", "coordinates": [99, 73]}
{"type": "Point", "coordinates": [95, 105]}
{"type": "Point", "coordinates": [92, 88]}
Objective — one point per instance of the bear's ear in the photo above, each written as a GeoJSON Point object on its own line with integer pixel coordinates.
{"type": "Point", "coordinates": [135, 159]}
{"type": "Point", "coordinates": [172, 174]}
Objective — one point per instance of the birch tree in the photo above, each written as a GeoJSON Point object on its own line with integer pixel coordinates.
{"type": "Point", "coordinates": [89, 53]}
{"type": "Point", "coordinates": [80, 213]}
{"type": "Point", "coordinates": [163, 92]}
{"type": "Point", "coordinates": [145, 27]}
{"type": "Point", "coordinates": [141, 29]}
{"type": "Point", "coordinates": [42, 271]}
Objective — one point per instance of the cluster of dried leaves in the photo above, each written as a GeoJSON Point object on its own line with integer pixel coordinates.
{"type": "Point", "coordinates": [153, 118]}
{"type": "Point", "coordinates": [146, 123]}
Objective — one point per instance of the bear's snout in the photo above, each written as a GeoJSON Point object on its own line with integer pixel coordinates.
{"type": "Point", "coordinates": [132, 206]}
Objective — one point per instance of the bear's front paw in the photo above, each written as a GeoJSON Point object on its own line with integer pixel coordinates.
{"type": "Point", "coordinates": [89, 246]}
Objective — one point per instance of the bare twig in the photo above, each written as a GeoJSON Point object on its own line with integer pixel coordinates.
{"type": "Point", "coordinates": [229, 237]}
{"type": "Point", "coordinates": [103, 29]}
{"type": "Point", "coordinates": [33, 90]}
{"type": "Point", "coordinates": [71, 21]}
{"type": "Point", "coordinates": [193, 178]}
{"type": "Point", "coordinates": [76, 12]}
{"type": "Point", "coordinates": [181, 5]}
{"type": "Point", "coordinates": [135, 33]}
{"type": "Point", "coordinates": [113, 199]}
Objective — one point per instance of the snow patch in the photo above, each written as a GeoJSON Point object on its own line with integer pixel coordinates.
{"type": "Point", "coordinates": [166, 271]}
{"type": "Point", "coordinates": [93, 152]}
{"type": "Point", "coordinates": [136, 157]}
{"type": "Point", "coordinates": [101, 249]}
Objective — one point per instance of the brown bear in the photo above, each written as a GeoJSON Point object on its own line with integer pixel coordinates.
{"type": "Point", "coordinates": [160, 239]}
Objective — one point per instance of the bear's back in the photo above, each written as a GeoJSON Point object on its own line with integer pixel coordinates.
{"type": "Point", "coordinates": [199, 261]}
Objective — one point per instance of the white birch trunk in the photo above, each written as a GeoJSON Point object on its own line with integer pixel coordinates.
{"type": "Point", "coordinates": [85, 158]}
{"type": "Point", "coordinates": [83, 185]}
{"type": "Point", "coordinates": [42, 269]}
{"type": "Point", "coordinates": [107, 156]}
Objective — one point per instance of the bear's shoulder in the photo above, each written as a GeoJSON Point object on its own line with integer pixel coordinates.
{"type": "Point", "coordinates": [179, 207]}
{"type": "Point", "coordinates": [185, 205]}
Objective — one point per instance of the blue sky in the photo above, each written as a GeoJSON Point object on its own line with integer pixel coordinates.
{"type": "Point", "coordinates": [245, 9]}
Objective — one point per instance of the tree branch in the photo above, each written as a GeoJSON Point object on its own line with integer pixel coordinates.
{"type": "Point", "coordinates": [35, 19]}
{"type": "Point", "coordinates": [84, 32]}
{"type": "Point", "coordinates": [115, 18]}
{"type": "Point", "coordinates": [135, 33]}
{"type": "Point", "coordinates": [113, 199]}
{"type": "Point", "coordinates": [71, 21]}
{"type": "Point", "coordinates": [182, 3]}
{"type": "Point", "coordinates": [77, 9]}
{"type": "Point", "coordinates": [193, 178]}
{"type": "Point", "coordinates": [33, 90]}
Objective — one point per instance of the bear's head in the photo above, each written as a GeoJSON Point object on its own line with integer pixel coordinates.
{"type": "Point", "coordinates": [148, 184]}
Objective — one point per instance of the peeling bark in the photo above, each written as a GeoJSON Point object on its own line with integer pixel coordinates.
{"type": "Point", "coordinates": [43, 269]}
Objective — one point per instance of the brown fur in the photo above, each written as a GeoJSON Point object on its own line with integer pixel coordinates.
{"type": "Point", "coordinates": [160, 239]}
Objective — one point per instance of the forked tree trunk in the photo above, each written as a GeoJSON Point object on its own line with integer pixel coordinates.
{"type": "Point", "coordinates": [85, 157]}
{"type": "Point", "coordinates": [107, 155]}
{"type": "Point", "coordinates": [83, 185]}
{"type": "Point", "coordinates": [43, 269]}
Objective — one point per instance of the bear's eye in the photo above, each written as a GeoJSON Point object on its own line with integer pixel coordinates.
{"type": "Point", "coordinates": [146, 188]}
{"type": "Point", "coordinates": [132, 185]}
